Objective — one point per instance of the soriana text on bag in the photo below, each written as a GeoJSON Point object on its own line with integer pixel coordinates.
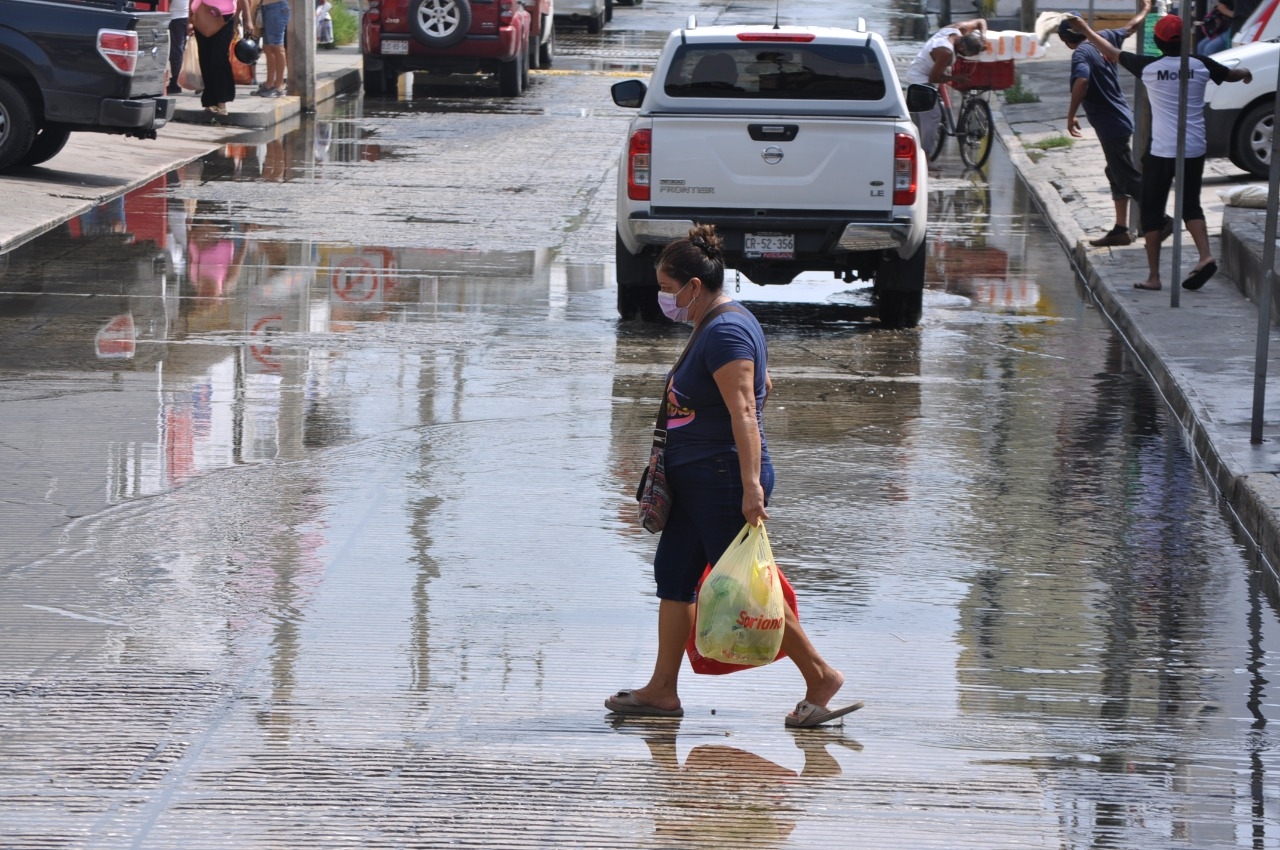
{"type": "Point", "coordinates": [740, 616]}
{"type": "Point", "coordinates": [708, 667]}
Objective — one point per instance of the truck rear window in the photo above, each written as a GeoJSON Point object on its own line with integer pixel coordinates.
{"type": "Point", "coordinates": [776, 72]}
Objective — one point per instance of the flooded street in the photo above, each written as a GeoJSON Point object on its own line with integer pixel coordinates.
{"type": "Point", "coordinates": [319, 525]}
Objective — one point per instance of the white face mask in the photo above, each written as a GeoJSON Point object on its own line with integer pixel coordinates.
{"type": "Point", "coordinates": [667, 301]}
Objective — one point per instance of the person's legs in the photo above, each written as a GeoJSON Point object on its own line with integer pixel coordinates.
{"type": "Point", "coordinates": [177, 49]}
{"type": "Point", "coordinates": [928, 123]}
{"type": "Point", "coordinates": [275, 21]}
{"type": "Point", "coordinates": [1157, 177]}
{"type": "Point", "coordinates": [821, 680]}
{"type": "Point", "coordinates": [675, 623]}
{"type": "Point", "coordinates": [706, 515]}
{"type": "Point", "coordinates": [1192, 212]}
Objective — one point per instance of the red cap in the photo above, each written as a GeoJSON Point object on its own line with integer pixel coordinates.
{"type": "Point", "coordinates": [1169, 28]}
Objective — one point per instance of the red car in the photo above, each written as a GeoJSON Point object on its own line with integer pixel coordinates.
{"type": "Point", "coordinates": [445, 37]}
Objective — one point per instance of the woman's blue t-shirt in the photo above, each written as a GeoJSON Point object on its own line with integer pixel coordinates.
{"type": "Point", "coordinates": [698, 423]}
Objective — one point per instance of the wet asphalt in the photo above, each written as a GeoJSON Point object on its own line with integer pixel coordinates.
{"type": "Point", "coordinates": [319, 528]}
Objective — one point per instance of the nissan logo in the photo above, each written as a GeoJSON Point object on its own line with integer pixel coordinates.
{"type": "Point", "coordinates": [772, 154]}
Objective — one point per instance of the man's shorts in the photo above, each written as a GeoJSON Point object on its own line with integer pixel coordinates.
{"type": "Point", "coordinates": [275, 20]}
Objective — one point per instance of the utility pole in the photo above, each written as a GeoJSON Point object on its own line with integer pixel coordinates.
{"type": "Point", "coordinates": [301, 41]}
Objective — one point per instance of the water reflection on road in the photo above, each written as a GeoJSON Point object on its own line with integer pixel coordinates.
{"type": "Point", "coordinates": [345, 528]}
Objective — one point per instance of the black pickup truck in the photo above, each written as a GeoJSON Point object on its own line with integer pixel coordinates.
{"type": "Point", "coordinates": [78, 65]}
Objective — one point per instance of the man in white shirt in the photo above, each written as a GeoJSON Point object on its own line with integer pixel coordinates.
{"type": "Point", "coordinates": [932, 66]}
{"type": "Point", "coordinates": [1162, 77]}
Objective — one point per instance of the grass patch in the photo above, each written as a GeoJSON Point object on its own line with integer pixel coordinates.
{"type": "Point", "coordinates": [1017, 94]}
{"type": "Point", "coordinates": [1051, 142]}
{"type": "Point", "coordinates": [345, 24]}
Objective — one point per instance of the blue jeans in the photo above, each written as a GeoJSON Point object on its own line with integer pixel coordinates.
{"type": "Point", "coordinates": [275, 20]}
{"type": "Point", "coordinates": [706, 514]}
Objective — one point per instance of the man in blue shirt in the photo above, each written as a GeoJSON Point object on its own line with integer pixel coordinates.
{"type": "Point", "coordinates": [1095, 85]}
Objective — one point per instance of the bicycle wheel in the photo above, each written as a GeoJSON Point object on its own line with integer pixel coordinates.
{"type": "Point", "coordinates": [945, 128]}
{"type": "Point", "coordinates": [974, 132]}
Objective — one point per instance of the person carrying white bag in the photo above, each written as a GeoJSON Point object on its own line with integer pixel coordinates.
{"type": "Point", "coordinates": [719, 474]}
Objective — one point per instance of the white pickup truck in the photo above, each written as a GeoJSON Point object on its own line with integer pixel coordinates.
{"type": "Point", "coordinates": [796, 143]}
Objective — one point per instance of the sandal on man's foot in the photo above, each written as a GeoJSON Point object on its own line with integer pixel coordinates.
{"type": "Point", "coordinates": [1147, 286]}
{"type": "Point", "coordinates": [1200, 276]}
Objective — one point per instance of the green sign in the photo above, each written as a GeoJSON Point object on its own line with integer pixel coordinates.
{"type": "Point", "coordinates": [1147, 45]}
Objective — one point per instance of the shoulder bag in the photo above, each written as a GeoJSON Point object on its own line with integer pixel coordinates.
{"type": "Point", "coordinates": [654, 493]}
{"type": "Point", "coordinates": [207, 20]}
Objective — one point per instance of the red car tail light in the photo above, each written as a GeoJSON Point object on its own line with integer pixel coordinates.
{"type": "Point", "coordinates": [904, 170]}
{"type": "Point", "coordinates": [374, 12]}
{"type": "Point", "coordinates": [120, 48]}
{"type": "Point", "coordinates": [639, 149]}
{"type": "Point", "coordinates": [776, 36]}
{"type": "Point", "coordinates": [507, 10]}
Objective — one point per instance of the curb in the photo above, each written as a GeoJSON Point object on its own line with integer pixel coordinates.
{"type": "Point", "coordinates": [261, 113]}
{"type": "Point", "coordinates": [1253, 499]}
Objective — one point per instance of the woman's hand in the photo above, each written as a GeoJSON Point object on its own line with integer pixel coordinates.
{"type": "Point", "coordinates": [753, 503]}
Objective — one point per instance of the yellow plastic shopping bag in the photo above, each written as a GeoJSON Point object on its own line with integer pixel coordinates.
{"type": "Point", "coordinates": [741, 610]}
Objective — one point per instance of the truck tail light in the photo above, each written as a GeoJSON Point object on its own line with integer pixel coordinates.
{"type": "Point", "coordinates": [374, 10]}
{"type": "Point", "coordinates": [507, 10]}
{"type": "Point", "coordinates": [638, 150]}
{"type": "Point", "coordinates": [120, 48]}
{"type": "Point", "coordinates": [795, 38]}
{"type": "Point", "coordinates": [904, 170]}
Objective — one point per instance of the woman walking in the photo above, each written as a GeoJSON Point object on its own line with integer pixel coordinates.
{"type": "Point", "coordinates": [215, 54]}
{"type": "Point", "coordinates": [719, 472]}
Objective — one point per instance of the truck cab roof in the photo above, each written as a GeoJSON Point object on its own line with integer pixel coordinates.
{"type": "Point", "coordinates": [776, 70]}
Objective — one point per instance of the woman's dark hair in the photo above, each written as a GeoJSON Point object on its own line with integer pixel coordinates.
{"type": "Point", "coordinates": [698, 255]}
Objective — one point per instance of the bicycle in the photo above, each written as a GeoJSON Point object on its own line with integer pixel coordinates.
{"type": "Point", "coordinates": [973, 127]}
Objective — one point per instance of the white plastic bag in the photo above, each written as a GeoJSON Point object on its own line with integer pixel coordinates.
{"type": "Point", "coordinates": [1252, 196]}
{"type": "Point", "coordinates": [741, 609]}
{"type": "Point", "coordinates": [189, 76]}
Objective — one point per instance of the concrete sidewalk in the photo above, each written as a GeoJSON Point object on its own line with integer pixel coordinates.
{"type": "Point", "coordinates": [337, 71]}
{"type": "Point", "coordinates": [94, 168]}
{"type": "Point", "coordinates": [1202, 353]}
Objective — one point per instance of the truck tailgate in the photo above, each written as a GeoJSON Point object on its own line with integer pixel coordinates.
{"type": "Point", "coordinates": [153, 55]}
{"type": "Point", "coordinates": [775, 163]}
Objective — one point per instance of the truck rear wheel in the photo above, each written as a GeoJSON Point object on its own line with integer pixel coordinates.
{"type": "Point", "coordinates": [17, 127]}
{"type": "Point", "coordinates": [637, 284]}
{"type": "Point", "coordinates": [547, 50]}
{"type": "Point", "coordinates": [375, 77]}
{"type": "Point", "coordinates": [47, 144]}
{"type": "Point", "coordinates": [511, 77]}
{"type": "Point", "coordinates": [899, 290]}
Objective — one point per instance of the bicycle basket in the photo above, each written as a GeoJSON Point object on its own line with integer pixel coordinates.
{"type": "Point", "coordinates": [983, 76]}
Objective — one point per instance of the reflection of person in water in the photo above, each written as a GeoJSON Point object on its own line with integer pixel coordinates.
{"type": "Point", "coordinates": [724, 793]}
{"type": "Point", "coordinates": [214, 255]}
{"type": "Point", "coordinates": [104, 219]}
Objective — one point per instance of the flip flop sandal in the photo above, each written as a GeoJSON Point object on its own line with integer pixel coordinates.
{"type": "Point", "coordinates": [809, 714]}
{"type": "Point", "coordinates": [1200, 277]}
{"type": "Point", "coordinates": [625, 702]}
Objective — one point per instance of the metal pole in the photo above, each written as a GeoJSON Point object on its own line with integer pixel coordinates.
{"type": "Point", "coordinates": [1268, 284]}
{"type": "Point", "coordinates": [1184, 71]}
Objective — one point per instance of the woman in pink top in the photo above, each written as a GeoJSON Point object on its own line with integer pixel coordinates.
{"type": "Point", "coordinates": [215, 57]}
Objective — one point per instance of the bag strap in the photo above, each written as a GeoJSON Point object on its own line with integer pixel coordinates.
{"type": "Point", "coordinates": [660, 424]}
